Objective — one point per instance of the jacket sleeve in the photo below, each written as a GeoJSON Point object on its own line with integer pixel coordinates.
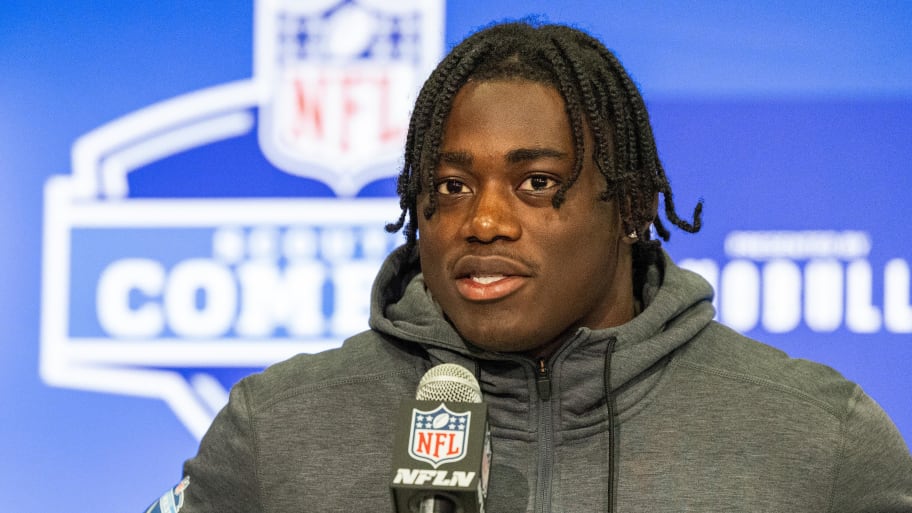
{"type": "Point", "coordinates": [874, 474]}
{"type": "Point", "coordinates": [223, 476]}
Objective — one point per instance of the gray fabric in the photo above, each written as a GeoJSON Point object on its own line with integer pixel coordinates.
{"type": "Point", "coordinates": [707, 420]}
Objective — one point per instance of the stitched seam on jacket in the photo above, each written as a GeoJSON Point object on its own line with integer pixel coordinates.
{"type": "Point", "coordinates": [251, 426]}
{"type": "Point", "coordinates": [303, 389]}
{"type": "Point", "coordinates": [837, 465]}
{"type": "Point", "coordinates": [764, 383]}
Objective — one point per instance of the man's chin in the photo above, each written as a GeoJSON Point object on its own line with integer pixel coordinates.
{"type": "Point", "coordinates": [501, 340]}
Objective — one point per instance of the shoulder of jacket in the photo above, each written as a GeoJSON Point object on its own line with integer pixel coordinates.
{"type": "Point", "coordinates": [721, 351]}
{"type": "Point", "coordinates": [365, 358]}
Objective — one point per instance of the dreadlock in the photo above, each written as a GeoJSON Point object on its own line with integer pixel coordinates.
{"type": "Point", "coordinates": [598, 95]}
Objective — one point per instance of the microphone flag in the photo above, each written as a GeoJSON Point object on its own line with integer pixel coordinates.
{"type": "Point", "coordinates": [441, 449]}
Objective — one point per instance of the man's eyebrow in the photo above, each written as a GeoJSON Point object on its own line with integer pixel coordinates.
{"type": "Point", "coordinates": [527, 154]}
{"type": "Point", "coordinates": [464, 159]}
{"type": "Point", "coordinates": [456, 158]}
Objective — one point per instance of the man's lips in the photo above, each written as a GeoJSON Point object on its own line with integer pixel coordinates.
{"type": "Point", "coordinates": [490, 277]}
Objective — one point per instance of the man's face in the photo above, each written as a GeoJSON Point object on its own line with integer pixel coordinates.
{"type": "Point", "coordinates": [511, 272]}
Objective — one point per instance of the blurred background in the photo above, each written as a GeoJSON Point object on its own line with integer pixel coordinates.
{"type": "Point", "coordinates": [193, 190]}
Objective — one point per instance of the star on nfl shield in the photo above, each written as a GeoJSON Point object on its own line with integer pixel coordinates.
{"type": "Point", "coordinates": [439, 436]}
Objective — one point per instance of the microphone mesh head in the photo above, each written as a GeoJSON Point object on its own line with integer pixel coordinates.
{"type": "Point", "coordinates": [449, 382]}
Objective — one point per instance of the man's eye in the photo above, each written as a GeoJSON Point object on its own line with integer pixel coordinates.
{"type": "Point", "coordinates": [538, 183]}
{"type": "Point", "coordinates": [451, 186]}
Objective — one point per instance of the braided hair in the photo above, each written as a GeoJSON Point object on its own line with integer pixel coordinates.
{"type": "Point", "coordinates": [598, 96]}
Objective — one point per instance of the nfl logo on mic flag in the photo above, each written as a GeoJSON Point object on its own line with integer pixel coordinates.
{"type": "Point", "coordinates": [441, 449]}
{"type": "Point", "coordinates": [439, 436]}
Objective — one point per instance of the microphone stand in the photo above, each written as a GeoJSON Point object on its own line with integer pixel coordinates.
{"type": "Point", "coordinates": [436, 504]}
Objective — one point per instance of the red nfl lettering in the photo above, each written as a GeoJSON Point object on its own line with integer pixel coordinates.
{"type": "Point", "coordinates": [451, 448]}
{"type": "Point", "coordinates": [424, 443]}
{"type": "Point", "coordinates": [309, 119]}
{"type": "Point", "coordinates": [432, 443]}
{"type": "Point", "coordinates": [357, 104]}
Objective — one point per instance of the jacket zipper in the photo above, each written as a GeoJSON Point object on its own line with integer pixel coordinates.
{"type": "Point", "coordinates": [545, 429]}
{"type": "Point", "coordinates": [543, 381]}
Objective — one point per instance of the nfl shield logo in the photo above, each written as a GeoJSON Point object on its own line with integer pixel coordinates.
{"type": "Point", "coordinates": [439, 436]}
{"type": "Point", "coordinates": [338, 79]}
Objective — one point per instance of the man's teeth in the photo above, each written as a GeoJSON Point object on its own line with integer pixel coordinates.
{"type": "Point", "coordinates": [484, 280]}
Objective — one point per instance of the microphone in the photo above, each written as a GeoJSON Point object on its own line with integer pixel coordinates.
{"type": "Point", "coordinates": [442, 446]}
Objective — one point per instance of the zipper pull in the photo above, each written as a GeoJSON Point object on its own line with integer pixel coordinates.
{"type": "Point", "coordinates": [543, 381]}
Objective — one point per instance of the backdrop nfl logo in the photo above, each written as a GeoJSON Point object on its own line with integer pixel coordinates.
{"type": "Point", "coordinates": [341, 79]}
{"type": "Point", "coordinates": [439, 436]}
{"type": "Point", "coordinates": [175, 295]}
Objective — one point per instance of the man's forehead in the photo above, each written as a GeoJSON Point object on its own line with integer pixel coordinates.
{"type": "Point", "coordinates": [520, 114]}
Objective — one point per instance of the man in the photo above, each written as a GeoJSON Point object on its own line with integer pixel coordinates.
{"type": "Point", "coordinates": [530, 183]}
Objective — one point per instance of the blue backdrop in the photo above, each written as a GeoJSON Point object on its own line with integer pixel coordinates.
{"type": "Point", "coordinates": [133, 282]}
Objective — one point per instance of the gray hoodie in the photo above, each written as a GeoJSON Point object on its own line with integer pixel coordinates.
{"type": "Point", "coordinates": [670, 412]}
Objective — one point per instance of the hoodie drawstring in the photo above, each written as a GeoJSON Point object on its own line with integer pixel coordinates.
{"type": "Point", "coordinates": [612, 430]}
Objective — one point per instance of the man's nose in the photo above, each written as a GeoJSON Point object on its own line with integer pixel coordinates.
{"type": "Point", "coordinates": [493, 216]}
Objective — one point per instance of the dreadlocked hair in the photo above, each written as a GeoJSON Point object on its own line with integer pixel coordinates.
{"type": "Point", "coordinates": [598, 95]}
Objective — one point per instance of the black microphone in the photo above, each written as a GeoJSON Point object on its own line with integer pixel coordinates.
{"type": "Point", "coordinates": [442, 447]}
